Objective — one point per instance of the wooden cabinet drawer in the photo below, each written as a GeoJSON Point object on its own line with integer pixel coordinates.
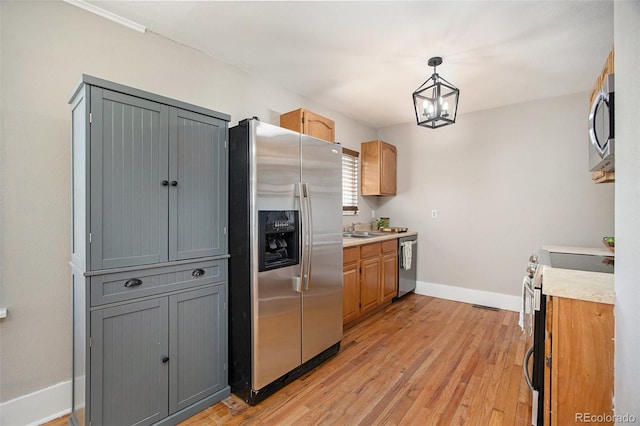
{"type": "Point", "coordinates": [369, 250]}
{"type": "Point", "coordinates": [389, 245]}
{"type": "Point", "coordinates": [122, 286]}
{"type": "Point", "coordinates": [350, 254]}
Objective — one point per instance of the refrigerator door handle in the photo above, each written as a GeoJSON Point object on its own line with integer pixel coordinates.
{"type": "Point", "coordinates": [301, 280]}
{"type": "Point", "coordinates": [309, 235]}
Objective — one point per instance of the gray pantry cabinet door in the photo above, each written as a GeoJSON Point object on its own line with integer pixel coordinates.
{"type": "Point", "coordinates": [129, 160]}
{"type": "Point", "coordinates": [129, 371]}
{"type": "Point", "coordinates": [197, 333]}
{"type": "Point", "coordinates": [198, 201]}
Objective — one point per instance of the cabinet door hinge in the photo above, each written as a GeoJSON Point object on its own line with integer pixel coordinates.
{"type": "Point", "coordinates": [225, 306]}
{"type": "Point", "coordinates": [90, 341]}
{"type": "Point", "coordinates": [89, 237]}
{"type": "Point", "coordinates": [90, 117]}
{"type": "Point", "coordinates": [225, 144]}
{"type": "Point", "coordinates": [224, 230]}
{"type": "Point", "coordinates": [225, 366]}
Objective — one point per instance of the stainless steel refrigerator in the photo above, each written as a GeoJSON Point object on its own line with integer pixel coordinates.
{"type": "Point", "coordinates": [285, 243]}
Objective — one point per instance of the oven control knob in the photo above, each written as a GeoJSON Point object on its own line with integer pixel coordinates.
{"type": "Point", "coordinates": [533, 259]}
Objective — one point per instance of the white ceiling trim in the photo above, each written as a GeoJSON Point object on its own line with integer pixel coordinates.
{"type": "Point", "coordinates": [106, 14]}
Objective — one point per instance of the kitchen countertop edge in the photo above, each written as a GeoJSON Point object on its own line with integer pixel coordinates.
{"type": "Point", "coordinates": [352, 242]}
{"type": "Point", "coordinates": [580, 285]}
{"type": "Point", "coordinates": [594, 251]}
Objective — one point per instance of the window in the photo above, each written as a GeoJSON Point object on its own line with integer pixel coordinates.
{"type": "Point", "coordinates": [349, 181]}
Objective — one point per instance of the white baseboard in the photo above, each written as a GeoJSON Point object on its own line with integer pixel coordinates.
{"type": "Point", "coordinates": [38, 407]}
{"type": "Point", "coordinates": [468, 295]}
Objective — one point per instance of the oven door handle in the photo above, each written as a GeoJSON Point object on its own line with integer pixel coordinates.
{"type": "Point", "coordinates": [525, 367]}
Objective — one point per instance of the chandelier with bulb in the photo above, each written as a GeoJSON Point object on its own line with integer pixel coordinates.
{"type": "Point", "coordinates": [436, 100]}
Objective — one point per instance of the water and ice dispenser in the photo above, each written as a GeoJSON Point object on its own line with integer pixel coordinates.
{"type": "Point", "coordinates": [278, 233]}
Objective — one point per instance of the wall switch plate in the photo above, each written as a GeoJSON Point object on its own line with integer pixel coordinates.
{"type": "Point", "coordinates": [434, 214]}
{"type": "Point", "coordinates": [3, 312]}
{"type": "Point", "coordinates": [373, 213]}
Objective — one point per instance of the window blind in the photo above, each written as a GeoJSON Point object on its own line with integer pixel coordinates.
{"type": "Point", "coordinates": [350, 175]}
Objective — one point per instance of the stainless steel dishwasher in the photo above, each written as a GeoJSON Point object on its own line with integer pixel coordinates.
{"type": "Point", "coordinates": [407, 264]}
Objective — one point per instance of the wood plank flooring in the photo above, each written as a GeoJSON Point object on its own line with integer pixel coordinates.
{"type": "Point", "coordinates": [422, 361]}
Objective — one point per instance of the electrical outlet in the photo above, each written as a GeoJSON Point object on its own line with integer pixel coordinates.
{"type": "Point", "coordinates": [373, 213]}
{"type": "Point", "coordinates": [434, 214]}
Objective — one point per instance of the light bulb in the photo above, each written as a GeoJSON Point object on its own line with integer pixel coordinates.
{"type": "Point", "coordinates": [428, 108]}
{"type": "Point", "coordinates": [445, 109]}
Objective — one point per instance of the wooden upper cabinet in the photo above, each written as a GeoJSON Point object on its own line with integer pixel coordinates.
{"type": "Point", "coordinates": [607, 69]}
{"type": "Point", "coordinates": [378, 168]}
{"type": "Point", "coordinates": [309, 123]}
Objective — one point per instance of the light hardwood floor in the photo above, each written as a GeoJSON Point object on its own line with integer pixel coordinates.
{"type": "Point", "coordinates": [422, 361]}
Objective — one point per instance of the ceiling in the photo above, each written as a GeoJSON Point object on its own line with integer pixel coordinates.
{"type": "Point", "coordinates": [365, 58]}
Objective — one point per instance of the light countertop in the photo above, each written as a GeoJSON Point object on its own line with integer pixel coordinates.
{"type": "Point", "coordinates": [596, 251]}
{"type": "Point", "coordinates": [350, 241]}
{"type": "Point", "coordinates": [580, 285]}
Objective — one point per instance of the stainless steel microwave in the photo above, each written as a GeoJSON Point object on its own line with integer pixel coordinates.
{"type": "Point", "coordinates": [601, 128]}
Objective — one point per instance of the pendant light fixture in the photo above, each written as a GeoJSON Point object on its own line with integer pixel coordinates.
{"type": "Point", "coordinates": [436, 100]}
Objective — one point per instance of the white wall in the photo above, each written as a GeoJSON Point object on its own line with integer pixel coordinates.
{"type": "Point", "coordinates": [45, 47]}
{"type": "Point", "coordinates": [504, 182]}
{"type": "Point", "coordinates": [627, 304]}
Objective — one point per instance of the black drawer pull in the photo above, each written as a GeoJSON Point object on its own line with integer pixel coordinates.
{"type": "Point", "coordinates": [133, 282]}
{"type": "Point", "coordinates": [165, 359]}
{"type": "Point", "coordinates": [174, 183]}
{"type": "Point", "coordinates": [165, 183]}
{"type": "Point", "coordinates": [198, 273]}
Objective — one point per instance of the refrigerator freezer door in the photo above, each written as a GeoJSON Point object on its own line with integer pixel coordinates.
{"type": "Point", "coordinates": [277, 334]}
{"type": "Point", "coordinates": [322, 298]}
{"type": "Point", "coordinates": [276, 304]}
{"type": "Point", "coordinates": [277, 168]}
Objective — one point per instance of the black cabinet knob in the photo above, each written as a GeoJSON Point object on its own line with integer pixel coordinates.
{"type": "Point", "coordinates": [198, 273]}
{"type": "Point", "coordinates": [165, 359]}
{"type": "Point", "coordinates": [174, 183]}
{"type": "Point", "coordinates": [165, 183]}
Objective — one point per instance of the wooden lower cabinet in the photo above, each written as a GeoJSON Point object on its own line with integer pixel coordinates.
{"type": "Point", "coordinates": [351, 291]}
{"type": "Point", "coordinates": [369, 284]}
{"type": "Point", "coordinates": [370, 278]}
{"type": "Point", "coordinates": [389, 263]}
{"type": "Point", "coordinates": [578, 362]}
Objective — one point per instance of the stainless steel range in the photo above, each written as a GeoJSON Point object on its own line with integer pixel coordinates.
{"type": "Point", "coordinates": [534, 310]}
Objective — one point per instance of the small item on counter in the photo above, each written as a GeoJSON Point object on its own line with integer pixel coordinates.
{"type": "Point", "coordinates": [383, 222]}
{"type": "Point", "coordinates": [610, 243]}
{"type": "Point", "coordinates": [394, 229]}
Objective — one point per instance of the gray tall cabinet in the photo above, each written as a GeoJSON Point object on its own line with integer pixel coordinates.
{"type": "Point", "coordinates": [149, 256]}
